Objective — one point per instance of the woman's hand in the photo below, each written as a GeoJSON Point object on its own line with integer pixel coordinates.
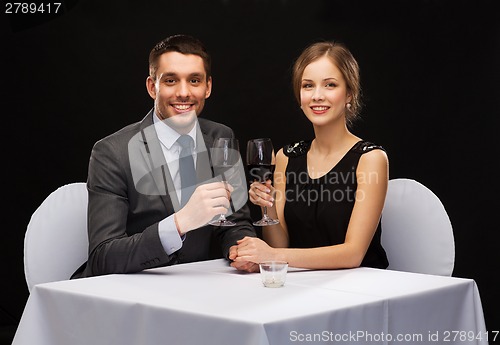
{"type": "Point", "coordinates": [241, 265]}
{"type": "Point", "coordinates": [262, 194]}
{"type": "Point", "coordinates": [253, 249]}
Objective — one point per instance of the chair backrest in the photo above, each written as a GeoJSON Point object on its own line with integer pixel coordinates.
{"type": "Point", "coordinates": [56, 242]}
{"type": "Point", "coordinates": [416, 231]}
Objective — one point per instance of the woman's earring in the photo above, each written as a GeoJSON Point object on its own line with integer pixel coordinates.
{"type": "Point", "coordinates": [348, 105]}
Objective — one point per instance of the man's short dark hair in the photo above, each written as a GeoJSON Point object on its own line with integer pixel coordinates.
{"type": "Point", "coordinates": [183, 44]}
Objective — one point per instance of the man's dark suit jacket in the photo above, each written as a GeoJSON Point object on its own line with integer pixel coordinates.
{"type": "Point", "coordinates": [130, 191]}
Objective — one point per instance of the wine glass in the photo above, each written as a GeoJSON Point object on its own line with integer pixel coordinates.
{"type": "Point", "coordinates": [261, 162]}
{"type": "Point", "coordinates": [225, 155]}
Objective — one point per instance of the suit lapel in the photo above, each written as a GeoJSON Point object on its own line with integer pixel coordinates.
{"type": "Point", "coordinates": [155, 159]}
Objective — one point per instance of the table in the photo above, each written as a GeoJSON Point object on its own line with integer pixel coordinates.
{"type": "Point", "coordinates": [209, 302]}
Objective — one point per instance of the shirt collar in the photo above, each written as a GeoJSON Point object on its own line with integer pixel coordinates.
{"type": "Point", "coordinates": [167, 135]}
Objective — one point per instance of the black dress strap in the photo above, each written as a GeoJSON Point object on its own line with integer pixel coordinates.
{"type": "Point", "coordinates": [366, 146]}
{"type": "Point", "coordinates": [300, 148]}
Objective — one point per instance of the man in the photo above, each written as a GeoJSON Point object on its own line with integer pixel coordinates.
{"type": "Point", "coordinates": [137, 218]}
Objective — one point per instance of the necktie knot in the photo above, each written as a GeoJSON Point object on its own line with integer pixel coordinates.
{"type": "Point", "coordinates": [185, 141]}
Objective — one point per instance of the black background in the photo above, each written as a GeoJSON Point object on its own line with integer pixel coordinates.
{"type": "Point", "coordinates": [430, 74]}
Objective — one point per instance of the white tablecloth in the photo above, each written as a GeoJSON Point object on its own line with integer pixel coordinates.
{"type": "Point", "coordinates": [211, 303]}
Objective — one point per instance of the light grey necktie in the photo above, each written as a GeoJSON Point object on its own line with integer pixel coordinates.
{"type": "Point", "coordinates": [187, 171]}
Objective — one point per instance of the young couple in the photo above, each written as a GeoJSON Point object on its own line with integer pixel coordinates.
{"type": "Point", "coordinates": [136, 216]}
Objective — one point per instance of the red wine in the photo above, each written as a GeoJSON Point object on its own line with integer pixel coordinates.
{"type": "Point", "coordinates": [261, 172]}
{"type": "Point", "coordinates": [221, 169]}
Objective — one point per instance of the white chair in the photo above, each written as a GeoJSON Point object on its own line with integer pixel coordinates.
{"type": "Point", "coordinates": [56, 243]}
{"type": "Point", "coordinates": [416, 231]}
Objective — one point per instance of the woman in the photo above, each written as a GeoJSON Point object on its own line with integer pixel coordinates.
{"type": "Point", "coordinates": [328, 192]}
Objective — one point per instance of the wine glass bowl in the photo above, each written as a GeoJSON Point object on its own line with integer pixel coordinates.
{"type": "Point", "coordinates": [261, 162]}
{"type": "Point", "coordinates": [225, 155]}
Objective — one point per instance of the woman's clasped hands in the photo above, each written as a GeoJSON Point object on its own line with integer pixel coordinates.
{"type": "Point", "coordinates": [253, 249]}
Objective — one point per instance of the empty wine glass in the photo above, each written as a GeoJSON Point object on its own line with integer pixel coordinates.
{"type": "Point", "coordinates": [261, 162]}
{"type": "Point", "coordinates": [225, 155]}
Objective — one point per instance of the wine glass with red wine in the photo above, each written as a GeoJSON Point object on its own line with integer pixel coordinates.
{"type": "Point", "coordinates": [225, 155]}
{"type": "Point", "coordinates": [261, 162]}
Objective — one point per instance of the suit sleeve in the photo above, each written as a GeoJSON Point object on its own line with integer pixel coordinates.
{"type": "Point", "coordinates": [111, 248]}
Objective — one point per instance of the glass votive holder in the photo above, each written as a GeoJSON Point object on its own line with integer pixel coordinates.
{"type": "Point", "coordinates": [273, 273]}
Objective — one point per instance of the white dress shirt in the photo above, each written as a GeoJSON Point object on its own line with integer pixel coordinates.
{"type": "Point", "coordinates": [169, 236]}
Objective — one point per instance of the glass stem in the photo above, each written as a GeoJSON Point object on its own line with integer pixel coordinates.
{"type": "Point", "coordinates": [265, 213]}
